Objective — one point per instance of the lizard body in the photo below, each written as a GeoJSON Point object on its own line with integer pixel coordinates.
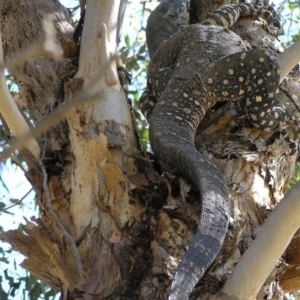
{"type": "Point", "coordinates": [187, 75]}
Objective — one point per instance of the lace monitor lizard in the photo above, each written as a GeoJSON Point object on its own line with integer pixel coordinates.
{"type": "Point", "coordinates": [191, 68]}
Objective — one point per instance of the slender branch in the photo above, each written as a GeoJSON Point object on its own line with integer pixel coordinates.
{"type": "Point", "coordinates": [18, 202]}
{"type": "Point", "coordinates": [288, 59]}
{"type": "Point", "coordinates": [122, 8]}
{"type": "Point", "coordinates": [9, 110]}
{"type": "Point", "coordinates": [12, 114]}
{"type": "Point", "coordinates": [255, 265]}
{"type": "Point", "coordinates": [287, 93]}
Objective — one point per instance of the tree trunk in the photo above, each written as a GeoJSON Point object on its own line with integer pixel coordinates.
{"type": "Point", "coordinates": [88, 157]}
{"type": "Point", "coordinates": [111, 231]}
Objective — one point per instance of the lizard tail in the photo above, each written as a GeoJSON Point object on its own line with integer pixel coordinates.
{"type": "Point", "coordinates": [212, 227]}
{"type": "Point", "coordinates": [176, 149]}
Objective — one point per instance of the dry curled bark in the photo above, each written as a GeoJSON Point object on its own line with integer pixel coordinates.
{"type": "Point", "coordinates": [130, 227]}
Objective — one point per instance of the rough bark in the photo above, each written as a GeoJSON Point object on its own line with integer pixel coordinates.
{"type": "Point", "coordinates": [129, 231]}
{"type": "Point", "coordinates": [88, 159]}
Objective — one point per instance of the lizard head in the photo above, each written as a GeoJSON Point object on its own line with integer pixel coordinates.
{"type": "Point", "coordinates": [177, 12]}
{"type": "Point", "coordinates": [167, 18]}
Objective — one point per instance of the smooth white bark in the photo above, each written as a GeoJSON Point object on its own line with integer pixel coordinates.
{"type": "Point", "coordinates": [102, 182]}
{"type": "Point", "coordinates": [288, 59]}
{"type": "Point", "coordinates": [260, 258]}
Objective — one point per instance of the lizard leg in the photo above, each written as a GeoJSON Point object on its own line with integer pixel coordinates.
{"type": "Point", "coordinates": [156, 83]}
{"type": "Point", "coordinates": [255, 75]}
{"type": "Point", "coordinates": [147, 103]}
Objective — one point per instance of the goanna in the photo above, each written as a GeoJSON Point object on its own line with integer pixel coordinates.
{"type": "Point", "coordinates": [188, 73]}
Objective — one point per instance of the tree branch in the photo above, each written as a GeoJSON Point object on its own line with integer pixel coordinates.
{"type": "Point", "coordinates": [288, 59]}
{"type": "Point", "coordinates": [122, 8]}
{"type": "Point", "coordinates": [12, 115]}
{"type": "Point", "coordinates": [106, 47]}
{"type": "Point", "coordinates": [9, 110]}
{"type": "Point", "coordinates": [98, 45]}
{"type": "Point", "coordinates": [262, 255]}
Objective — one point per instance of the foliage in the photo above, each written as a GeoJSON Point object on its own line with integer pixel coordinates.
{"type": "Point", "coordinates": [24, 287]}
{"type": "Point", "coordinates": [289, 11]}
{"type": "Point", "coordinates": [296, 176]}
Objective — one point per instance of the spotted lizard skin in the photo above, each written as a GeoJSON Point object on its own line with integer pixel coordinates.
{"type": "Point", "coordinates": [187, 75]}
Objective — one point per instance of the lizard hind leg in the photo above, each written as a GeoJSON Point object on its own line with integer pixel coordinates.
{"type": "Point", "coordinates": [261, 94]}
{"type": "Point", "coordinates": [252, 75]}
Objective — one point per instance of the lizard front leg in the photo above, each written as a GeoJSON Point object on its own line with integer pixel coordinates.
{"type": "Point", "coordinates": [156, 83]}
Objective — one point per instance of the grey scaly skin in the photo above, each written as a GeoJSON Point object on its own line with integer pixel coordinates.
{"type": "Point", "coordinates": [167, 18]}
{"type": "Point", "coordinates": [196, 67]}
